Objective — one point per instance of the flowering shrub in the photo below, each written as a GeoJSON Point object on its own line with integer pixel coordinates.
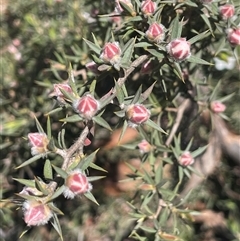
{"type": "Point", "coordinates": [145, 67]}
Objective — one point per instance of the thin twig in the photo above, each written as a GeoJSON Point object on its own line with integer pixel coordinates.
{"type": "Point", "coordinates": [77, 146]}
{"type": "Point", "coordinates": [180, 111]}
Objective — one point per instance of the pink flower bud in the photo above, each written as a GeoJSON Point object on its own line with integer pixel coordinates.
{"type": "Point", "coordinates": [137, 114]}
{"type": "Point", "coordinates": [144, 146]}
{"type": "Point", "coordinates": [179, 49]}
{"type": "Point", "coordinates": [58, 93]}
{"type": "Point", "coordinates": [156, 33]}
{"type": "Point", "coordinates": [39, 142]}
{"type": "Point", "coordinates": [147, 67]}
{"type": "Point", "coordinates": [148, 7]}
{"type": "Point", "coordinates": [186, 159]}
{"type": "Point", "coordinates": [119, 9]}
{"type": "Point", "coordinates": [93, 67]}
{"type": "Point", "coordinates": [36, 213]}
{"type": "Point", "coordinates": [86, 106]}
{"type": "Point", "coordinates": [76, 183]}
{"type": "Point", "coordinates": [234, 36]}
{"type": "Point", "coordinates": [217, 107]}
{"type": "Point", "coordinates": [111, 53]}
{"type": "Point", "coordinates": [227, 11]}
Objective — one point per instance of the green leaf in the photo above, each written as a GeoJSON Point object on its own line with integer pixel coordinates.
{"type": "Point", "coordinates": [196, 60]}
{"type": "Point", "coordinates": [146, 93]}
{"type": "Point", "coordinates": [55, 209]}
{"type": "Point", "coordinates": [85, 163]}
{"type": "Point", "coordinates": [47, 170]}
{"type": "Point", "coordinates": [148, 229]}
{"type": "Point", "coordinates": [95, 41]}
{"type": "Point", "coordinates": [119, 93]}
{"type": "Point", "coordinates": [95, 178]}
{"type": "Point", "coordinates": [41, 187]}
{"type": "Point", "coordinates": [29, 161]}
{"type": "Point", "coordinates": [206, 20]}
{"type": "Point", "coordinates": [178, 71]}
{"type": "Point", "coordinates": [57, 193]}
{"type": "Point", "coordinates": [199, 37]}
{"type": "Point", "coordinates": [100, 121]}
{"type": "Point", "coordinates": [90, 197]}
{"type": "Point", "coordinates": [73, 118]}
{"type": "Point", "coordinates": [39, 127]}
{"type": "Point", "coordinates": [49, 134]}
{"type": "Point", "coordinates": [154, 126]}
{"type": "Point", "coordinates": [60, 171]}
{"type": "Point", "coordinates": [96, 167]}
{"type": "Point", "coordinates": [143, 45]}
{"type": "Point", "coordinates": [226, 98]}
{"type": "Point", "coordinates": [71, 80]}
{"type": "Point", "coordinates": [176, 28]}
{"type": "Point", "coordinates": [57, 226]}
{"type": "Point", "coordinates": [198, 151]}
{"type": "Point", "coordinates": [68, 95]}
{"type": "Point", "coordinates": [92, 87]}
{"type": "Point", "coordinates": [95, 48]}
{"type": "Point", "coordinates": [128, 51]}
{"type": "Point", "coordinates": [28, 183]}
{"type": "Point", "coordinates": [137, 95]}
{"type": "Point", "coordinates": [155, 53]}
{"type": "Point", "coordinates": [215, 91]}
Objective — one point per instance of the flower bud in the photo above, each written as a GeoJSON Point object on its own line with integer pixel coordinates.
{"type": "Point", "coordinates": [227, 11]}
{"type": "Point", "coordinates": [156, 33]}
{"type": "Point", "coordinates": [186, 159]}
{"type": "Point", "coordinates": [93, 67]}
{"type": "Point", "coordinates": [86, 106]}
{"type": "Point", "coordinates": [148, 7]}
{"type": "Point", "coordinates": [144, 147]}
{"type": "Point", "coordinates": [119, 8]}
{"type": "Point", "coordinates": [39, 142]}
{"type": "Point", "coordinates": [58, 93]}
{"type": "Point", "coordinates": [76, 183]}
{"type": "Point", "coordinates": [147, 67]}
{"type": "Point", "coordinates": [111, 53]}
{"type": "Point", "coordinates": [137, 114]}
{"type": "Point", "coordinates": [234, 36]}
{"type": "Point", "coordinates": [217, 107]}
{"type": "Point", "coordinates": [36, 213]}
{"type": "Point", "coordinates": [179, 49]}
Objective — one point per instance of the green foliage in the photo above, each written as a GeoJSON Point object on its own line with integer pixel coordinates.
{"type": "Point", "coordinates": [50, 42]}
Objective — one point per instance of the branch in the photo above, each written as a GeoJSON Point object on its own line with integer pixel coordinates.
{"type": "Point", "coordinates": [180, 111]}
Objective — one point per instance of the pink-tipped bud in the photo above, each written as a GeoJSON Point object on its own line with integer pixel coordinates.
{"type": "Point", "coordinates": [217, 107]}
{"type": "Point", "coordinates": [58, 93]}
{"type": "Point", "coordinates": [119, 8]}
{"type": "Point", "coordinates": [148, 7]}
{"type": "Point", "coordinates": [147, 67]}
{"type": "Point", "coordinates": [111, 53]}
{"type": "Point", "coordinates": [156, 33]}
{"type": "Point", "coordinates": [76, 183]}
{"type": "Point", "coordinates": [179, 49]}
{"type": "Point", "coordinates": [227, 11]}
{"type": "Point", "coordinates": [93, 67]}
{"type": "Point", "coordinates": [234, 36]}
{"type": "Point", "coordinates": [36, 213]}
{"type": "Point", "coordinates": [186, 159]}
{"type": "Point", "coordinates": [87, 106]}
{"type": "Point", "coordinates": [38, 142]}
{"type": "Point", "coordinates": [144, 146]}
{"type": "Point", "coordinates": [137, 114]}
